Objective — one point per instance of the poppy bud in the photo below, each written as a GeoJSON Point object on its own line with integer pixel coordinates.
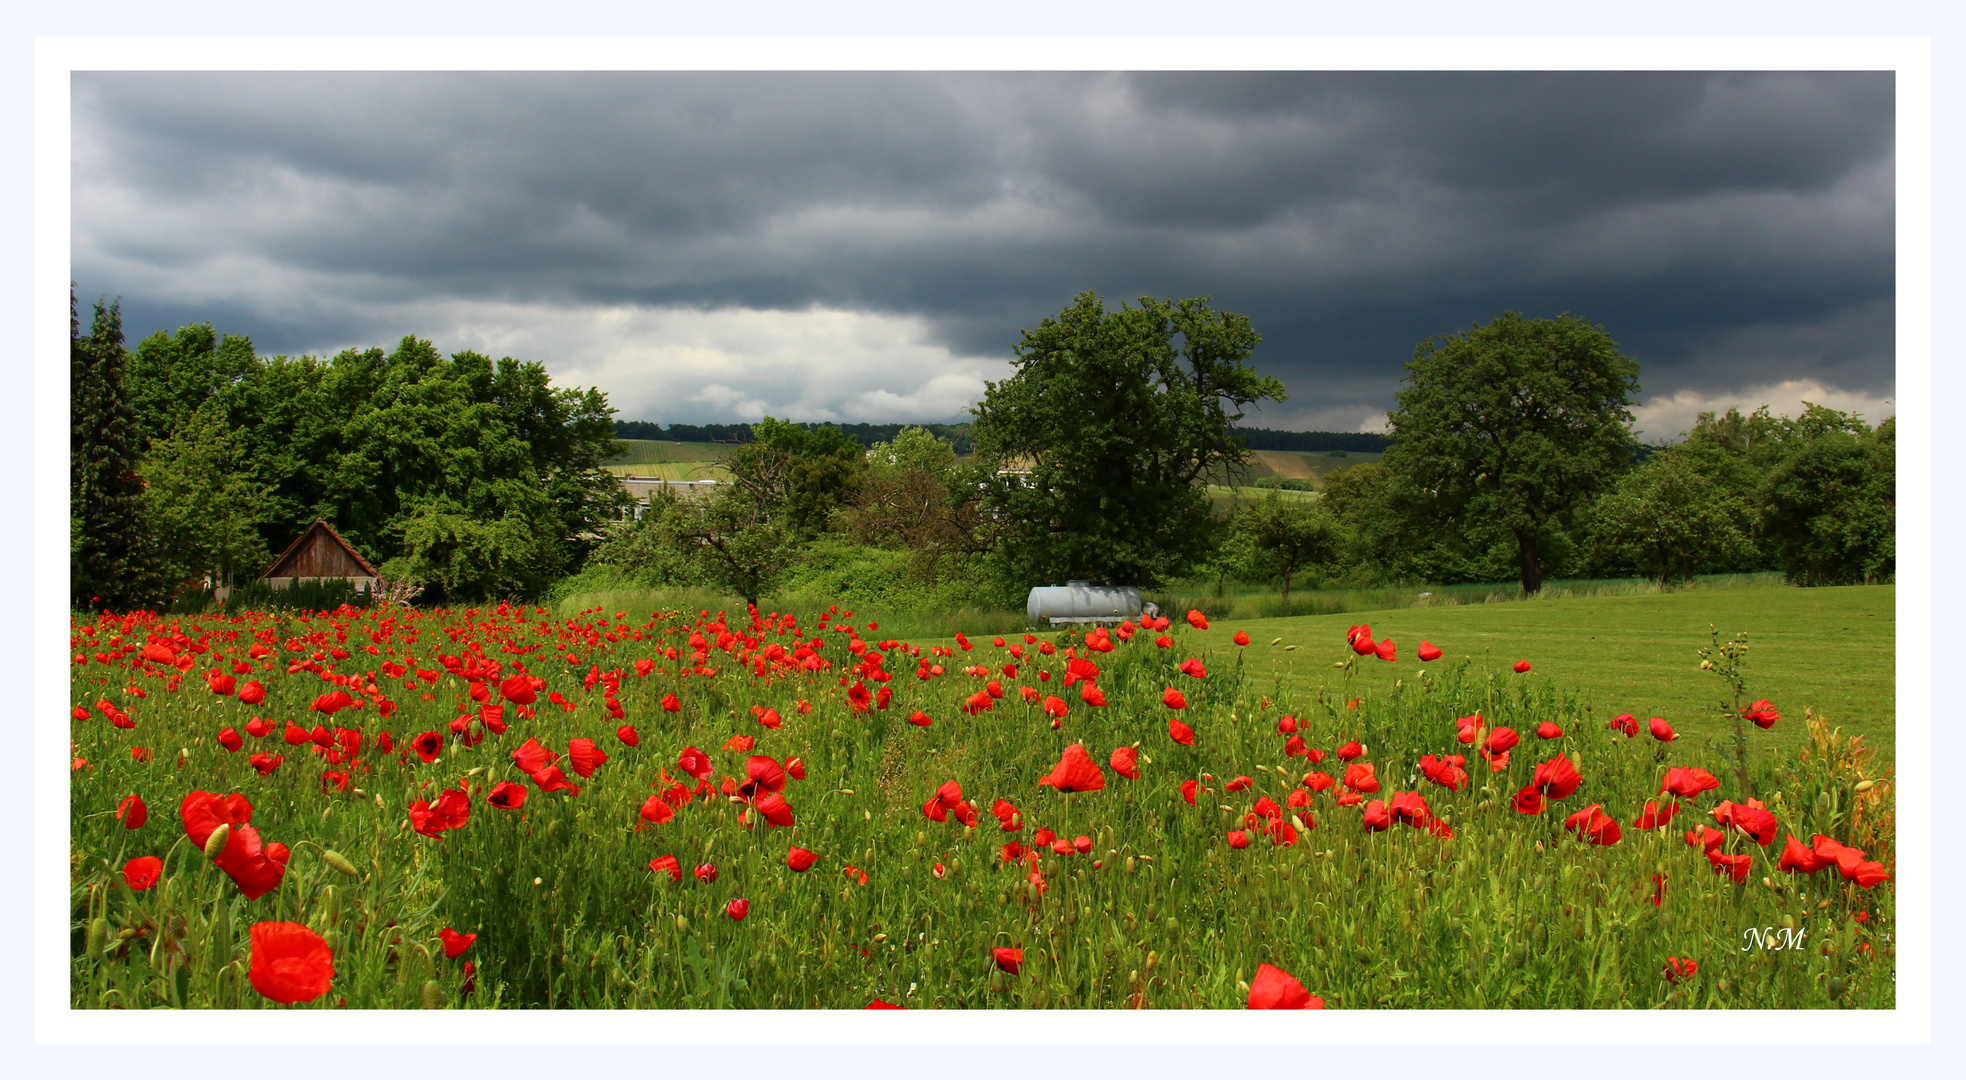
{"type": "Point", "coordinates": [433, 994]}
{"type": "Point", "coordinates": [98, 934]}
{"type": "Point", "coordinates": [215, 843]}
{"type": "Point", "coordinates": [340, 862]}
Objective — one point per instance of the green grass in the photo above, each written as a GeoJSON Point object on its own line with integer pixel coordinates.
{"type": "Point", "coordinates": [661, 452]}
{"type": "Point", "coordinates": [1831, 649]}
{"type": "Point", "coordinates": [1511, 912]}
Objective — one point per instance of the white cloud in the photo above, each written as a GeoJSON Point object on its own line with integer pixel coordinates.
{"type": "Point", "coordinates": [721, 365]}
{"type": "Point", "coordinates": [1669, 417]}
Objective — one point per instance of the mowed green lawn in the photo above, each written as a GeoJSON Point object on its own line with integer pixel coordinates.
{"type": "Point", "coordinates": [1827, 648]}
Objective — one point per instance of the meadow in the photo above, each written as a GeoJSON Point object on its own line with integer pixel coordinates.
{"type": "Point", "coordinates": [511, 808]}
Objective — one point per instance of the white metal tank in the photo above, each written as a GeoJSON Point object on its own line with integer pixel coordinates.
{"type": "Point", "coordinates": [1082, 602]}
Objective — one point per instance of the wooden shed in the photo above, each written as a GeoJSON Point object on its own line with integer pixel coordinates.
{"type": "Point", "coordinates": [320, 554]}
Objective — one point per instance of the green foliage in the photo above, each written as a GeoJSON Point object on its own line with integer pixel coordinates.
{"type": "Point", "coordinates": [202, 504]}
{"type": "Point", "coordinates": [1830, 505]}
{"type": "Point", "coordinates": [1105, 432]}
{"type": "Point", "coordinates": [110, 562]}
{"type": "Point", "coordinates": [306, 595]}
{"type": "Point", "coordinates": [1672, 518]}
{"type": "Point", "coordinates": [1513, 424]}
{"type": "Point", "coordinates": [1281, 483]}
{"type": "Point", "coordinates": [486, 478]}
{"type": "Point", "coordinates": [1290, 536]}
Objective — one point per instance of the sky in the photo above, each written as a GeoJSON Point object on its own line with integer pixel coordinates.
{"type": "Point", "coordinates": [865, 246]}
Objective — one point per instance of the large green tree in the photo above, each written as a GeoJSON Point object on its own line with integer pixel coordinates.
{"type": "Point", "coordinates": [1290, 535]}
{"type": "Point", "coordinates": [1672, 517]}
{"type": "Point", "coordinates": [203, 505]}
{"type": "Point", "coordinates": [1105, 432]}
{"type": "Point", "coordinates": [110, 562]}
{"type": "Point", "coordinates": [1516, 423]}
{"type": "Point", "coordinates": [1829, 505]}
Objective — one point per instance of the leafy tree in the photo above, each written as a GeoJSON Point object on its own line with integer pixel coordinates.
{"type": "Point", "coordinates": [916, 497]}
{"type": "Point", "coordinates": [1830, 504]}
{"type": "Point", "coordinates": [1672, 519]}
{"type": "Point", "coordinates": [1514, 424]}
{"type": "Point", "coordinates": [174, 376]}
{"type": "Point", "coordinates": [203, 505]}
{"type": "Point", "coordinates": [734, 539]}
{"type": "Point", "coordinates": [1104, 433]}
{"type": "Point", "coordinates": [1291, 535]}
{"type": "Point", "coordinates": [110, 565]}
{"type": "Point", "coordinates": [798, 476]}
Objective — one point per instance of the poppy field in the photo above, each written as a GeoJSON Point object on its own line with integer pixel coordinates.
{"type": "Point", "coordinates": [498, 808]}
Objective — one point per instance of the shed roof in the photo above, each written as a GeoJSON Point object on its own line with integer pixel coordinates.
{"type": "Point", "coordinates": [319, 536]}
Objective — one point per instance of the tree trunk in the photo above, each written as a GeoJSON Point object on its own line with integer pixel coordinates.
{"type": "Point", "coordinates": [1532, 567]}
{"type": "Point", "coordinates": [1286, 592]}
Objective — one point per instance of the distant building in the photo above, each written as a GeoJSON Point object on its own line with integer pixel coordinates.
{"type": "Point", "coordinates": [320, 554]}
{"type": "Point", "coordinates": [643, 489]}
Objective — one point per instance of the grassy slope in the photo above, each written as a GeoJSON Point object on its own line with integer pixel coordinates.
{"type": "Point", "coordinates": [1831, 649]}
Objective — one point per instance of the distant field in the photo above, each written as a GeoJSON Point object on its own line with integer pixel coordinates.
{"type": "Point", "coordinates": [1305, 465]}
{"type": "Point", "coordinates": [1228, 498]}
{"type": "Point", "coordinates": [1829, 648]}
{"type": "Point", "coordinates": [670, 460]}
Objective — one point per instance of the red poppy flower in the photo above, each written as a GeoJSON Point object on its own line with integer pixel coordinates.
{"type": "Point", "coordinates": [454, 942]}
{"type": "Point", "coordinates": [427, 745]}
{"type": "Point", "coordinates": [775, 810]}
{"type": "Point", "coordinates": [1751, 819]}
{"type": "Point", "coordinates": [1658, 890]}
{"type": "Point", "coordinates": [518, 690]}
{"type": "Point", "coordinates": [800, 860]}
{"type": "Point", "coordinates": [1197, 620]}
{"type": "Point", "coordinates": [855, 874]}
{"type": "Point", "coordinates": [1386, 650]}
{"type": "Point", "coordinates": [252, 694]}
{"type": "Point", "coordinates": [1238, 839]}
{"type": "Point", "coordinates": [290, 963]}
{"type": "Point", "coordinates": [231, 740]}
{"type": "Point", "coordinates": [1529, 800]}
{"type": "Point", "coordinates": [1446, 771]}
{"type": "Point", "coordinates": [1125, 761]}
{"type": "Point", "coordinates": [202, 812]}
{"type": "Point", "coordinates": [1761, 714]}
{"type": "Point", "coordinates": [1180, 732]}
{"type": "Point", "coordinates": [1734, 866]}
{"type": "Point", "coordinates": [1705, 837]}
{"type": "Point", "coordinates": [1501, 740]}
{"type": "Point", "coordinates": [132, 812]}
{"type": "Point", "coordinates": [1653, 816]}
{"type": "Point", "coordinates": [1548, 730]}
{"type": "Point", "coordinates": [1075, 771]}
{"type": "Point", "coordinates": [672, 703]}
{"type": "Point", "coordinates": [1678, 970]}
{"type": "Point", "coordinates": [585, 756]}
{"type": "Point", "coordinates": [706, 873]}
{"type": "Point", "coordinates": [1319, 782]}
{"type": "Point", "coordinates": [1795, 858]}
{"type": "Point", "coordinates": [264, 764]}
{"type": "Point", "coordinates": [1688, 782]}
{"type": "Point", "coordinates": [1241, 638]}
{"type": "Point", "coordinates": [695, 762]}
{"type": "Point", "coordinates": [507, 796]}
{"type": "Point", "coordinates": [1377, 816]}
{"type": "Point", "coordinates": [258, 728]}
{"type": "Point", "coordinates": [143, 872]}
{"type": "Point", "coordinates": [295, 734]}
{"type": "Point", "coordinates": [1594, 825]}
{"type": "Point", "coordinates": [737, 909]}
{"type": "Point", "coordinates": [1521, 666]}
{"type": "Point", "coordinates": [1359, 776]}
{"type": "Point", "coordinates": [1557, 778]}
{"type": "Point", "coordinates": [1238, 784]}
{"type": "Point", "coordinates": [1173, 699]}
{"type": "Point", "coordinates": [1351, 751]}
{"type": "Point", "coordinates": [667, 864]}
{"type": "Point", "coordinates": [1427, 653]}
{"type": "Point", "coordinates": [1661, 730]}
{"type": "Point", "coordinates": [551, 779]}
{"type": "Point", "coordinates": [626, 733]}
{"type": "Point", "coordinates": [1188, 789]}
{"type": "Point", "coordinates": [1273, 988]}
{"type": "Point", "coordinates": [877, 1003]}
{"type": "Point", "coordinates": [1626, 723]}
{"type": "Point", "coordinates": [1008, 960]}
{"type": "Point", "coordinates": [740, 744]}
{"type": "Point", "coordinates": [1360, 639]}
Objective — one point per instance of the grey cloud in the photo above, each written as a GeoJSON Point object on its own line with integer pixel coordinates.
{"type": "Point", "coordinates": [1348, 214]}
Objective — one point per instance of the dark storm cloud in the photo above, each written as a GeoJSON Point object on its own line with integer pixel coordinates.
{"type": "Point", "coordinates": [1731, 230]}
